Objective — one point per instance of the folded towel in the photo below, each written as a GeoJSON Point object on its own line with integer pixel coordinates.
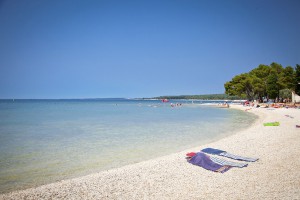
{"type": "Point", "coordinates": [203, 160]}
{"type": "Point", "coordinates": [213, 151]}
{"type": "Point", "coordinates": [228, 155]}
{"type": "Point", "coordinates": [272, 124]}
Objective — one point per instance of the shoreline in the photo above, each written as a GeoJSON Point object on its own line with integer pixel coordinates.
{"type": "Point", "coordinates": [274, 175]}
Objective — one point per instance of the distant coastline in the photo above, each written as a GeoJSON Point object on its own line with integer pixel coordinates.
{"type": "Point", "coordinates": [197, 96]}
{"type": "Point", "coordinates": [200, 97]}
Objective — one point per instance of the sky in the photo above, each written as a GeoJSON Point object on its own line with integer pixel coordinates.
{"type": "Point", "coordinates": [143, 48]}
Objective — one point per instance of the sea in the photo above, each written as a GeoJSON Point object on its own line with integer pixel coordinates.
{"type": "Point", "coordinates": [43, 141]}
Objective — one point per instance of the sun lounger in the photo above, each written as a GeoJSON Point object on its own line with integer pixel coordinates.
{"type": "Point", "coordinates": [228, 155]}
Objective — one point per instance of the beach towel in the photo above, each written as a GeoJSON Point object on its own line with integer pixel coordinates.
{"type": "Point", "coordinates": [204, 161]}
{"type": "Point", "coordinates": [228, 155]}
{"type": "Point", "coordinates": [272, 124]}
{"type": "Point", "coordinates": [228, 163]}
{"type": "Point", "coordinates": [289, 116]}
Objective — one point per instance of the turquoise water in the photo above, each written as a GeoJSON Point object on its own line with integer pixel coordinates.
{"type": "Point", "coordinates": [42, 141]}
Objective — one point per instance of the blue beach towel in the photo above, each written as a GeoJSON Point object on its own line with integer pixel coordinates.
{"type": "Point", "coordinates": [203, 160]}
{"type": "Point", "coordinates": [228, 155]}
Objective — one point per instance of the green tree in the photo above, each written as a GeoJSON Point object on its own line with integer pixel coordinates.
{"type": "Point", "coordinates": [272, 85]}
{"type": "Point", "coordinates": [262, 71]}
{"type": "Point", "coordinates": [264, 81]}
{"type": "Point", "coordinates": [276, 67]}
{"type": "Point", "coordinates": [297, 80]}
{"type": "Point", "coordinates": [260, 78]}
{"type": "Point", "coordinates": [259, 87]}
{"type": "Point", "coordinates": [240, 85]}
{"type": "Point", "coordinates": [287, 78]}
{"type": "Point", "coordinates": [279, 71]}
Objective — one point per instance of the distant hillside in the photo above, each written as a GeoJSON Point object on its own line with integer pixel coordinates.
{"type": "Point", "coordinates": [203, 97]}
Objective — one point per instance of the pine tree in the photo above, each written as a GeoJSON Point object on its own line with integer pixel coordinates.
{"type": "Point", "coordinates": [272, 85]}
{"type": "Point", "coordinates": [297, 80]}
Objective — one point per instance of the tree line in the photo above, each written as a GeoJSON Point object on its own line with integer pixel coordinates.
{"type": "Point", "coordinates": [202, 97]}
{"type": "Point", "coordinates": [265, 82]}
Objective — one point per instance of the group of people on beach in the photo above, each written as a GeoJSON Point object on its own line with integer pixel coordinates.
{"type": "Point", "coordinates": [270, 105]}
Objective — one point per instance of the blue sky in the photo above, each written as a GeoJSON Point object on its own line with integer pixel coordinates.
{"type": "Point", "coordinates": [108, 48]}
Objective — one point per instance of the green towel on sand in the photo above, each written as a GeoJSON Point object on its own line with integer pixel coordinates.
{"type": "Point", "coordinates": [271, 124]}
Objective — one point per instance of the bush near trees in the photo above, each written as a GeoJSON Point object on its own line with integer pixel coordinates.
{"type": "Point", "coordinates": [265, 81]}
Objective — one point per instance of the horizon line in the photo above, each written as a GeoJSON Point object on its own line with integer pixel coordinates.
{"type": "Point", "coordinates": [85, 98]}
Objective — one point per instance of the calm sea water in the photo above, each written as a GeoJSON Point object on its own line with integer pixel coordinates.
{"type": "Point", "coordinates": [42, 141]}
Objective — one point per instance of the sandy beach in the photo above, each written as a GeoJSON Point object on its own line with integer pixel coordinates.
{"type": "Point", "coordinates": [275, 175]}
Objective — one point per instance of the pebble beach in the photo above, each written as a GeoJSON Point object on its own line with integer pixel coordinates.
{"type": "Point", "coordinates": [275, 175]}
